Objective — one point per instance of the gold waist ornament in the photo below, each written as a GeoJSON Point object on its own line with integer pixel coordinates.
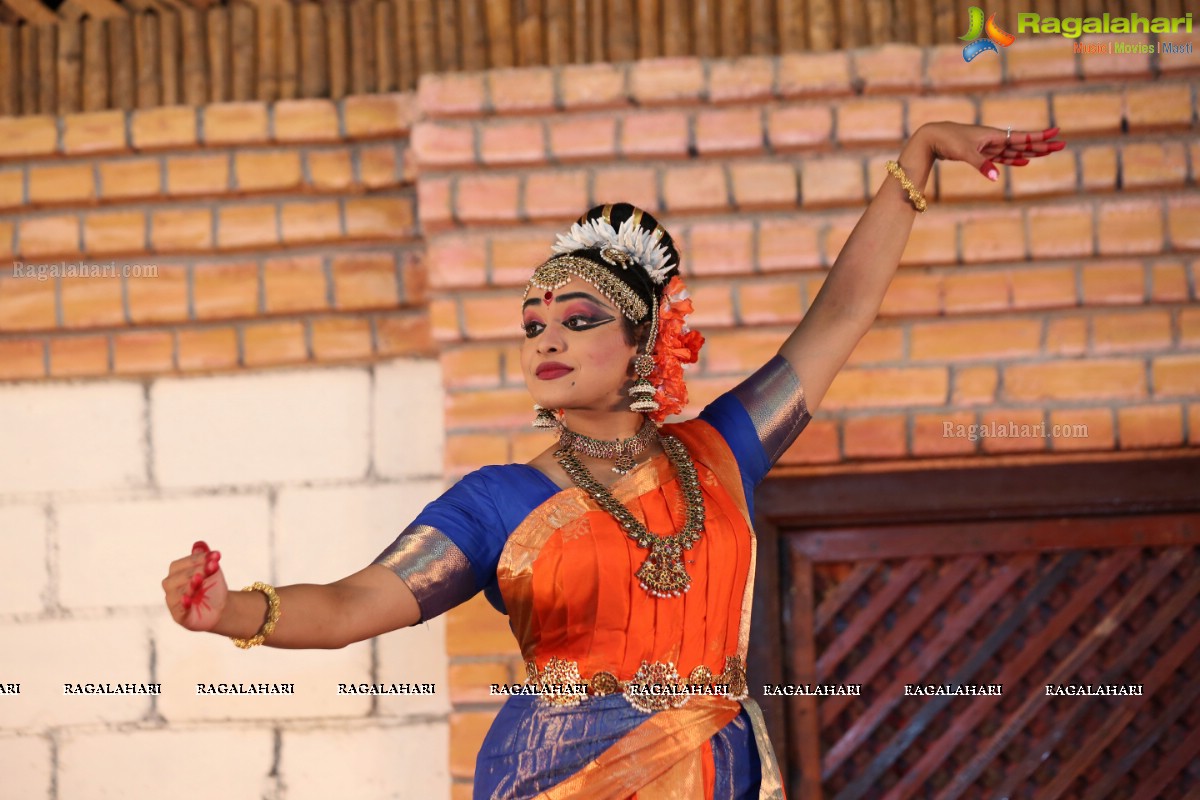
{"type": "Point", "coordinates": [656, 686]}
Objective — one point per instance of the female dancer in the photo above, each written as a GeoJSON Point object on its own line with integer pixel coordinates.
{"type": "Point", "coordinates": [623, 553]}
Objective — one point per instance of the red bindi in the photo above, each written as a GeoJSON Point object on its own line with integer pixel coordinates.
{"type": "Point", "coordinates": [547, 297]}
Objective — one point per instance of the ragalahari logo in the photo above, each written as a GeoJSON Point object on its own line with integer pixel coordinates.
{"type": "Point", "coordinates": [991, 33]}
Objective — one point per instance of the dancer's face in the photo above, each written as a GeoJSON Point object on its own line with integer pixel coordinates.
{"type": "Point", "coordinates": [575, 354]}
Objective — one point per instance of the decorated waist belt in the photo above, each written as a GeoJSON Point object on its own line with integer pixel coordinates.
{"type": "Point", "coordinates": [656, 686]}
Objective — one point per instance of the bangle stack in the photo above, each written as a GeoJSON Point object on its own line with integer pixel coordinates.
{"type": "Point", "coordinates": [914, 194]}
{"type": "Point", "coordinates": [273, 615]}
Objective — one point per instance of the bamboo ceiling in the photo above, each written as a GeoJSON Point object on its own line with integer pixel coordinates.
{"type": "Point", "coordinates": [58, 57]}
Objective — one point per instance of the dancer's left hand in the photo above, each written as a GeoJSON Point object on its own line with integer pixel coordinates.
{"type": "Point", "coordinates": [983, 147]}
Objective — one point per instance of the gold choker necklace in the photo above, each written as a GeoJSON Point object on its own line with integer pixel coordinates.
{"type": "Point", "coordinates": [663, 573]}
{"type": "Point", "coordinates": [623, 452]}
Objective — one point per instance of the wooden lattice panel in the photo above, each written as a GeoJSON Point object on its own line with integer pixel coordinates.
{"type": "Point", "coordinates": [1021, 604]}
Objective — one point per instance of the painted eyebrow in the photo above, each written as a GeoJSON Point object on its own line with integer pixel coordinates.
{"type": "Point", "coordinates": [564, 298]}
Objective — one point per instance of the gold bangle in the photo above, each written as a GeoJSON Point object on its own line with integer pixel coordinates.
{"type": "Point", "coordinates": [914, 194]}
{"type": "Point", "coordinates": [273, 615]}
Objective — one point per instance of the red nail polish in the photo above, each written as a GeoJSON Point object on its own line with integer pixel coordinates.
{"type": "Point", "coordinates": [187, 601]}
{"type": "Point", "coordinates": [196, 580]}
{"type": "Point", "coordinates": [199, 546]}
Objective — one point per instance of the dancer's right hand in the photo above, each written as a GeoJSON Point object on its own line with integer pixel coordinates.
{"type": "Point", "coordinates": [195, 589]}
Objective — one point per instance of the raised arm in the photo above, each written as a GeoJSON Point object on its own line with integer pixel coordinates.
{"type": "Point", "coordinates": [853, 291]}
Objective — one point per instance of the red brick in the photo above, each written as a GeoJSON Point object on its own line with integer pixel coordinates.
{"type": "Point", "coordinates": [207, 348]}
{"type": "Point", "coordinates": [375, 115]}
{"type": "Point", "coordinates": [913, 294]}
{"type": "Point", "coordinates": [198, 175]}
{"type": "Point", "coordinates": [265, 170]}
{"type": "Point", "coordinates": [870, 120]}
{"type": "Point", "coordinates": [451, 94]}
{"type": "Point", "coordinates": [739, 352]}
{"type": "Point", "coordinates": [1013, 431]}
{"type": "Point", "coordinates": [91, 302]}
{"type": "Point", "coordinates": [404, 334]}
{"type": "Point", "coordinates": [114, 232]}
{"type": "Point", "coordinates": [1119, 282]}
{"type": "Point", "coordinates": [225, 290]}
{"type": "Point", "coordinates": [1023, 112]}
{"type": "Point", "coordinates": [1189, 327]}
{"type": "Point", "coordinates": [170, 126]}
{"type": "Point", "coordinates": [365, 280]}
{"type": "Point", "coordinates": [1126, 64]}
{"type": "Point", "coordinates": [61, 184]}
{"type": "Point", "coordinates": [247, 226]}
{"type": "Point", "coordinates": [720, 248]}
{"type": "Point", "coordinates": [21, 359]}
{"type": "Point", "coordinates": [583, 137]}
{"type": "Point", "coordinates": [130, 178]}
{"type": "Point", "coordinates": [974, 386]}
{"type": "Point", "coordinates": [1052, 175]}
{"type": "Point", "coordinates": [294, 284]}
{"type": "Point", "coordinates": [493, 316]}
{"type": "Point", "coordinates": [787, 244]}
{"type": "Point", "coordinates": [1169, 282]}
{"type": "Point", "coordinates": [471, 683]}
{"type": "Point", "coordinates": [1099, 165]}
{"type": "Point", "coordinates": [818, 445]}
{"type": "Point", "coordinates": [1094, 379]}
{"type": "Point", "coordinates": [958, 181]}
{"type": "Point", "coordinates": [889, 67]}
{"type": "Point", "coordinates": [336, 339]}
{"type": "Point", "coordinates": [1131, 331]}
{"type": "Point", "coordinates": [377, 166]}
{"type": "Point", "coordinates": [636, 185]}
{"type": "Point", "coordinates": [311, 222]}
{"type": "Point", "coordinates": [467, 729]}
{"type": "Point", "coordinates": [667, 80]}
{"type": "Point", "coordinates": [1047, 58]}
{"type": "Point", "coordinates": [1060, 232]}
{"type": "Point", "coordinates": [1081, 429]}
{"type": "Point", "coordinates": [807, 74]}
{"type": "Point", "coordinates": [521, 90]}
{"type": "Point", "coordinates": [946, 69]}
{"type": "Point", "coordinates": [1133, 226]}
{"type": "Point", "coordinates": [1089, 112]}
{"type": "Point", "coordinates": [7, 242]}
{"type": "Point", "coordinates": [273, 343]}
{"type": "Point", "coordinates": [764, 185]}
{"type": "Point", "coordinates": [26, 303]}
{"type": "Point", "coordinates": [329, 169]}
{"type": "Point", "coordinates": [94, 132]}
{"type": "Point", "coordinates": [975, 339]}
{"type": "Point", "coordinates": [923, 110]}
{"type": "Point", "coordinates": [434, 211]}
{"type": "Point", "coordinates": [799, 127]}
{"type": "Point", "coordinates": [700, 187]}
{"type": "Point", "coordinates": [1145, 427]}
{"type": "Point", "coordinates": [993, 237]}
{"type": "Point", "coordinates": [883, 436]}
{"type": "Point", "coordinates": [750, 78]}
{"type": "Point", "coordinates": [1044, 287]}
{"type": "Point", "coordinates": [444, 319]}
{"type": "Point", "coordinates": [235, 123]}
{"type": "Point", "coordinates": [513, 143]}
{"type": "Point", "coordinates": [593, 85]}
{"type": "Point", "coordinates": [1176, 376]}
{"type": "Point", "coordinates": [885, 387]}
{"type": "Point", "coordinates": [175, 230]}
{"type": "Point", "coordinates": [495, 409]}
{"type": "Point", "coordinates": [561, 195]}
{"type": "Point", "coordinates": [1066, 336]}
{"type": "Point", "coordinates": [1194, 424]}
{"type": "Point", "coordinates": [471, 367]}
{"type": "Point", "coordinates": [28, 136]}
{"type": "Point", "coordinates": [48, 236]}
{"type": "Point", "coordinates": [1183, 221]}
{"type": "Point", "coordinates": [487, 198]}
{"type": "Point", "coordinates": [160, 299]}
{"type": "Point", "coordinates": [932, 241]}
{"type": "Point", "coordinates": [713, 303]}
{"type": "Point", "coordinates": [1153, 164]}
{"type": "Point", "coordinates": [1160, 107]}
{"type": "Point", "coordinates": [729, 130]}
{"type": "Point", "coordinates": [514, 255]}
{"type": "Point", "coordinates": [975, 291]}
{"type": "Point", "coordinates": [306, 120]}
{"type": "Point", "coordinates": [657, 133]}
{"type": "Point", "coordinates": [12, 188]}
{"type": "Point", "coordinates": [143, 352]}
{"type": "Point", "coordinates": [939, 434]}
{"type": "Point", "coordinates": [880, 345]}
{"type": "Point", "coordinates": [466, 452]}
{"type": "Point", "coordinates": [78, 356]}
{"type": "Point", "coordinates": [379, 217]}
{"type": "Point", "coordinates": [830, 181]}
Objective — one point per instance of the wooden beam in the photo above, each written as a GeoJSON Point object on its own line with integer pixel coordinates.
{"type": "Point", "coordinates": [96, 9]}
{"type": "Point", "coordinates": [31, 11]}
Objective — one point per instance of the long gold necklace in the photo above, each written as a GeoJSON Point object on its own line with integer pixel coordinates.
{"type": "Point", "coordinates": [663, 573]}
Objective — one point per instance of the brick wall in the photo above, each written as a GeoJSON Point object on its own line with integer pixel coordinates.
{"type": "Point", "coordinates": [1065, 293]}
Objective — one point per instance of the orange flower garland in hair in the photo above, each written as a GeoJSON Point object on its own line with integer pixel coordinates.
{"type": "Point", "coordinates": [676, 346]}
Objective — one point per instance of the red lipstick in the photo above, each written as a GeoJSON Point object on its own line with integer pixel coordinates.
{"type": "Point", "coordinates": [551, 370]}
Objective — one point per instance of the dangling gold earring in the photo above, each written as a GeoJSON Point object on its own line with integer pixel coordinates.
{"type": "Point", "coordinates": [643, 391]}
{"type": "Point", "coordinates": [545, 419]}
